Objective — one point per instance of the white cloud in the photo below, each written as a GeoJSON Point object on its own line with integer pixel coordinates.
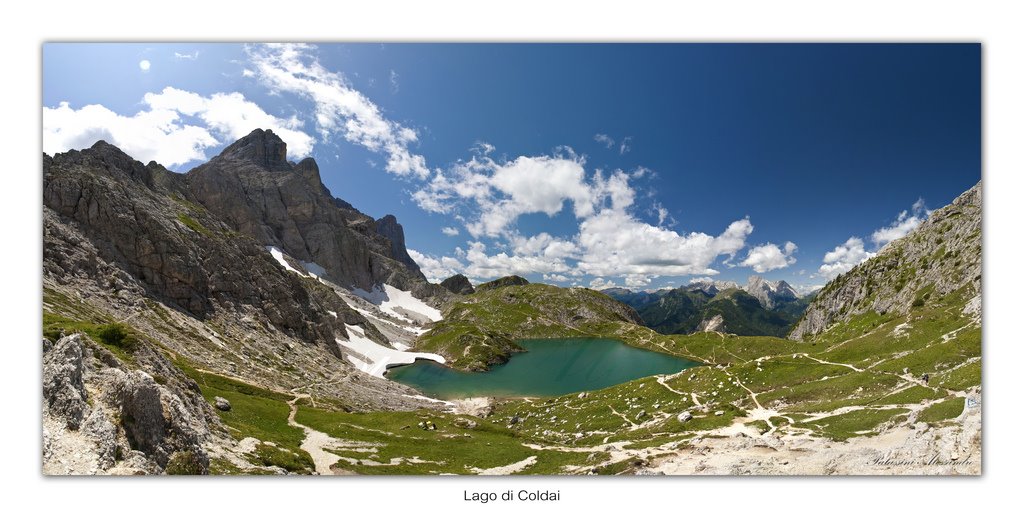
{"type": "Point", "coordinates": [490, 196]}
{"type": "Point", "coordinates": [624, 146]}
{"type": "Point", "coordinates": [436, 269]}
{"type": "Point", "coordinates": [847, 255]}
{"type": "Point", "coordinates": [905, 222]}
{"type": "Point", "coordinates": [393, 78]}
{"type": "Point", "coordinates": [501, 192]}
{"type": "Point", "coordinates": [615, 243]}
{"type": "Point", "coordinates": [339, 108]}
{"type": "Point", "coordinates": [160, 131]}
{"type": "Point", "coordinates": [844, 257]}
{"type": "Point", "coordinates": [601, 284]}
{"type": "Point", "coordinates": [482, 148]}
{"type": "Point", "coordinates": [769, 256]}
{"type": "Point", "coordinates": [232, 116]}
{"type": "Point", "coordinates": [605, 140]}
{"type": "Point", "coordinates": [148, 135]}
{"type": "Point", "coordinates": [556, 277]}
{"type": "Point", "coordinates": [191, 56]}
{"type": "Point", "coordinates": [450, 231]}
{"type": "Point", "coordinates": [144, 65]}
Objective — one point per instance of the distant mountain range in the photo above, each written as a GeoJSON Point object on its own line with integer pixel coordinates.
{"type": "Point", "coordinates": [760, 308]}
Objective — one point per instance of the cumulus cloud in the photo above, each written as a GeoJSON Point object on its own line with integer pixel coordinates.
{"type": "Point", "coordinates": [175, 127]}
{"type": "Point", "coordinates": [605, 140]}
{"type": "Point", "coordinates": [190, 56]}
{"type": "Point", "coordinates": [615, 243]}
{"type": "Point", "coordinates": [844, 257]}
{"type": "Point", "coordinates": [450, 231]}
{"type": "Point", "coordinates": [500, 192]}
{"type": "Point", "coordinates": [339, 108]}
{"type": "Point", "coordinates": [610, 240]}
{"type": "Point", "coordinates": [905, 222]}
{"type": "Point", "coordinates": [436, 269]}
{"type": "Point", "coordinates": [769, 256]}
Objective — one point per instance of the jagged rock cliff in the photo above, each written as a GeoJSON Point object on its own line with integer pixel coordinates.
{"type": "Point", "coordinates": [252, 188]}
{"type": "Point", "coordinates": [187, 266]}
{"type": "Point", "coordinates": [939, 257]}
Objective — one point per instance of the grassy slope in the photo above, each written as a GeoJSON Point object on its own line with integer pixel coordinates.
{"type": "Point", "coordinates": [848, 382]}
{"type": "Point", "coordinates": [480, 329]}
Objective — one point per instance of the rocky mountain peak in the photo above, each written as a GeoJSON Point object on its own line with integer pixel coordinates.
{"type": "Point", "coordinates": [710, 287]}
{"type": "Point", "coordinates": [262, 147]}
{"type": "Point", "coordinates": [458, 284]}
{"type": "Point", "coordinates": [769, 293]}
{"type": "Point", "coordinates": [389, 227]}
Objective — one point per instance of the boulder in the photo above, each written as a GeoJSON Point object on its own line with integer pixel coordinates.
{"type": "Point", "coordinates": [64, 393]}
{"type": "Point", "coordinates": [684, 417]}
{"type": "Point", "coordinates": [156, 421]}
{"type": "Point", "coordinates": [222, 404]}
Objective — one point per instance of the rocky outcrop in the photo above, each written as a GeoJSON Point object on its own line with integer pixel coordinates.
{"type": "Point", "coordinates": [64, 395]}
{"type": "Point", "coordinates": [511, 280]}
{"type": "Point", "coordinates": [715, 324]}
{"type": "Point", "coordinates": [458, 284]}
{"type": "Point", "coordinates": [156, 421]}
{"type": "Point", "coordinates": [389, 227]}
{"type": "Point", "coordinates": [941, 256]}
{"type": "Point", "coordinates": [102, 416]}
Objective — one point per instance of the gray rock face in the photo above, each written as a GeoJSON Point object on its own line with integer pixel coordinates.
{"type": "Point", "coordinates": [769, 293]}
{"type": "Point", "coordinates": [289, 207]}
{"type": "Point", "coordinates": [389, 227]}
{"type": "Point", "coordinates": [137, 229]}
{"type": "Point", "coordinates": [99, 426]}
{"type": "Point", "coordinates": [715, 324]}
{"type": "Point", "coordinates": [156, 421]}
{"type": "Point", "coordinates": [64, 393]}
{"type": "Point", "coordinates": [943, 254]}
{"type": "Point", "coordinates": [711, 287]}
{"type": "Point", "coordinates": [458, 284]}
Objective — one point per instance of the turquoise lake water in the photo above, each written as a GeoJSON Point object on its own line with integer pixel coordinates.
{"type": "Point", "coordinates": [550, 367]}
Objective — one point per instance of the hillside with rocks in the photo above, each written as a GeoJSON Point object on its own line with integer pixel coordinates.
{"type": "Point", "coordinates": [480, 330]}
{"type": "Point", "coordinates": [761, 308]}
{"type": "Point", "coordinates": [245, 267]}
{"type": "Point", "coordinates": [940, 257]}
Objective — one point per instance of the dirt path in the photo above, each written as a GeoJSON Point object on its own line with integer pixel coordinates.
{"type": "Point", "coordinates": [847, 365]}
{"type": "Point", "coordinates": [315, 441]}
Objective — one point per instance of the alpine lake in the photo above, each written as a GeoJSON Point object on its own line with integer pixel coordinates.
{"type": "Point", "coordinates": [549, 367]}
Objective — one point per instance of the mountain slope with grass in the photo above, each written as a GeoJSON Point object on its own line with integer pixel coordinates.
{"type": "Point", "coordinates": [940, 257]}
{"type": "Point", "coordinates": [724, 307]}
{"type": "Point", "coordinates": [479, 330]}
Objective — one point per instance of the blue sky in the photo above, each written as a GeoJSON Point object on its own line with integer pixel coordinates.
{"type": "Point", "coordinates": [634, 165]}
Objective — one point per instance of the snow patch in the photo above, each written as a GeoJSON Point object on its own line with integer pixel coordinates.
{"type": "Point", "coordinates": [378, 357]}
{"type": "Point", "coordinates": [278, 255]}
{"type": "Point", "coordinates": [398, 303]}
{"type": "Point", "coordinates": [314, 269]}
